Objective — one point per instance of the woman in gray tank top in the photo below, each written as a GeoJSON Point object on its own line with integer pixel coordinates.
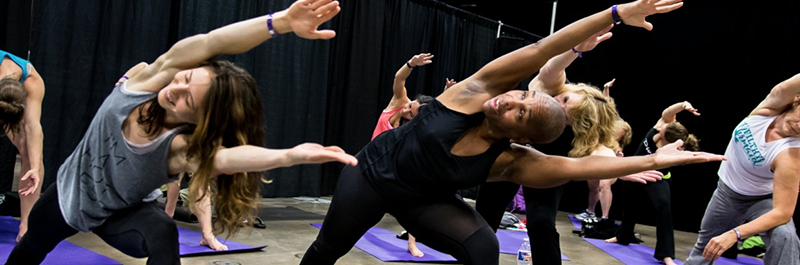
{"type": "Point", "coordinates": [166, 121]}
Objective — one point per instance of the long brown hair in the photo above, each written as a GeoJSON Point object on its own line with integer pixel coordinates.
{"type": "Point", "coordinates": [229, 115]}
{"type": "Point", "coordinates": [593, 121]}
{"type": "Point", "coordinates": [12, 108]}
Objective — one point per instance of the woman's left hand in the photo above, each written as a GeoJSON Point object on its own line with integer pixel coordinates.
{"type": "Point", "coordinates": [311, 153]}
{"type": "Point", "coordinates": [718, 245]}
{"type": "Point", "coordinates": [592, 42]}
{"type": "Point", "coordinates": [305, 16]}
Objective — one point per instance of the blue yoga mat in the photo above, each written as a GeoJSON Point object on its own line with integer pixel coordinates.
{"type": "Point", "coordinates": [189, 241]}
{"type": "Point", "coordinates": [384, 245]}
{"type": "Point", "coordinates": [630, 254]}
{"type": "Point", "coordinates": [65, 253]}
{"type": "Point", "coordinates": [511, 240]}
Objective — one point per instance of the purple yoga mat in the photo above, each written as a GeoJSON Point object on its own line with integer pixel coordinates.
{"type": "Point", "coordinates": [65, 253]}
{"type": "Point", "coordinates": [511, 240]}
{"type": "Point", "coordinates": [384, 245]}
{"type": "Point", "coordinates": [630, 254]}
{"type": "Point", "coordinates": [189, 241]}
{"type": "Point", "coordinates": [741, 260]}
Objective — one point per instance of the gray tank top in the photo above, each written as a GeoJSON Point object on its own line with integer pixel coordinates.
{"type": "Point", "coordinates": [106, 173]}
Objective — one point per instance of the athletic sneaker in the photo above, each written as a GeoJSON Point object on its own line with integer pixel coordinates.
{"type": "Point", "coordinates": [585, 215]}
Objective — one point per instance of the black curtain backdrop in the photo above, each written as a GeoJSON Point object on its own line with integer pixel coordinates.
{"type": "Point", "coordinates": [375, 39]}
{"type": "Point", "coordinates": [81, 48]}
{"type": "Point", "coordinates": [292, 75]}
{"type": "Point", "coordinates": [722, 58]}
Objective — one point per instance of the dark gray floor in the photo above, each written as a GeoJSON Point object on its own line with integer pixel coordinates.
{"type": "Point", "coordinates": [288, 235]}
{"type": "Point", "coordinates": [288, 239]}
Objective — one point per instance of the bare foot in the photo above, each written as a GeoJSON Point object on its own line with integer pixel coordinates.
{"type": "Point", "coordinates": [412, 248]}
{"type": "Point", "coordinates": [22, 230]}
{"type": "Point", "coordinates": [669, 261]}
{"type": "Point", "coordinates": [212, 243]}
{"type": "Point", "coordinates": [611, 240]}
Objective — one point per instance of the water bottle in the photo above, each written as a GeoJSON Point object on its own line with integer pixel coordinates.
{"type": "Point", "coordinates": [524, 253]}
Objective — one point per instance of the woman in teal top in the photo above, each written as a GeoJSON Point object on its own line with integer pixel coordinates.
{"type": "Point", "coordinates": [21, 95]}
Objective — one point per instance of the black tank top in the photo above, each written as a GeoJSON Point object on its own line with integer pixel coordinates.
{"type": "Point", "coordinates": [648, 147]}
{"type": "Point", "coordinates": [415, 159]}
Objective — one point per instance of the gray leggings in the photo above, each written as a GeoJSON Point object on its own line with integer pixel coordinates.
{"type": "Point", "coordinates": [728, 209]}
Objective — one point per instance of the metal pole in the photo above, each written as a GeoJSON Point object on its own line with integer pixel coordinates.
{"type": "Point", "coordinates": [499, 25]}
{"type": "Point", "coordinates": [553, 17]}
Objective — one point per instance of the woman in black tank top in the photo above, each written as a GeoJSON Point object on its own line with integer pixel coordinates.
{"type": "Point", "coordinates": [412, 172]}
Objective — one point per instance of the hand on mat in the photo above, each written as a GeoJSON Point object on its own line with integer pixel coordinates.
{"type": "Point", "coordinates": [634, 13]}
{"type": "Point", "coordinates": [644, 177]}
{"type": "Point", "coordinates": [311, 153]}
{"type": "Point", "coordinates": [305, 16]}
{"type": "Point", "coordinates": [212, 242]}
{"type": "Point", "coordinates": [719, 244]}
{"type": "Point", "coordinates": [592, 42]}
{"type": "Point", "coordinates": [29, 182]}
{"type": "Point", "coordinates": [673, 155]}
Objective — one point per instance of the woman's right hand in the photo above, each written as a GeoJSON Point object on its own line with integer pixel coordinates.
{"type": "Point", "coordinates": [305, 16]}
{"type": "Point", "coordinates": [673, 155]}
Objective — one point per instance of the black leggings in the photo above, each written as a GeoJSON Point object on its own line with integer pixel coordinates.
{"type": "Point", "coordinates": [446, 224]}
{"type": "Point", "coordinates": [140, 231]}
{"type": "Point", "coordinates": [541, 207]}
{"type": "Point", "coordinates": [633, 198]}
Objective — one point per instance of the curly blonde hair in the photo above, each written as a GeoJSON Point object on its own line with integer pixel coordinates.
{"type": "Point", "coordinates": [593, 120]}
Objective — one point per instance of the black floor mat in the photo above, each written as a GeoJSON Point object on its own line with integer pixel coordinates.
{"type": "Point", "coordinates": [287, 213]}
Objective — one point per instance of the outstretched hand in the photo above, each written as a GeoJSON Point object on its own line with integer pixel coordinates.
{"type": "Point", "coordinates": [311, 153]}
{"type": "Point", "coordinates": [634, 13]}
{"type": "Point", "coordinates": [421, 59]}
{"type": "Point", "coordinates": [305, 16]}
{"type": "Point", "coordinates": [592, 42]}
{"type": "Point", "coordinates": [644, 177]}
{"type": "Point", "coordinates": [29, 182]}
{"type": "Point", "coordinates": [673, 155]}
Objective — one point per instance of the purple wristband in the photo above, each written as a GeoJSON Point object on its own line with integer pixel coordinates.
{"type": "Point", "coordinates": [272, 31]}
{"type": "Point", "coordinates": [580, 54]}
{"type": "Point", "coordinates": [615, 15]}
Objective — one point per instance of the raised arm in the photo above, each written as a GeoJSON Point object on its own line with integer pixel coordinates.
{"type": "Point", "coordinates": [302, 17]}
{"type": "Point", "coordinates": [400, 96]}
{"type": "Point", "coordinates": [531, 168]}
{"type": "Point", "coordinates": [504, 73]}
{"type": "Point", "coordinates": [780, 97]}
{"type": "Point", "coordinates": [669, 114]}
{"type": "Point", "coordinates": [131, 73]}
{"type": "Point", "coordinates": [34, 136]}
{"type": "Point", "coordinates": [553, 75]}
{"type": "Point", "coordinates": [248, 158]}
{"type": "Point", "coordinates": [784, 198]}
{"type": "Point", "coordinates": [607, 87]}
